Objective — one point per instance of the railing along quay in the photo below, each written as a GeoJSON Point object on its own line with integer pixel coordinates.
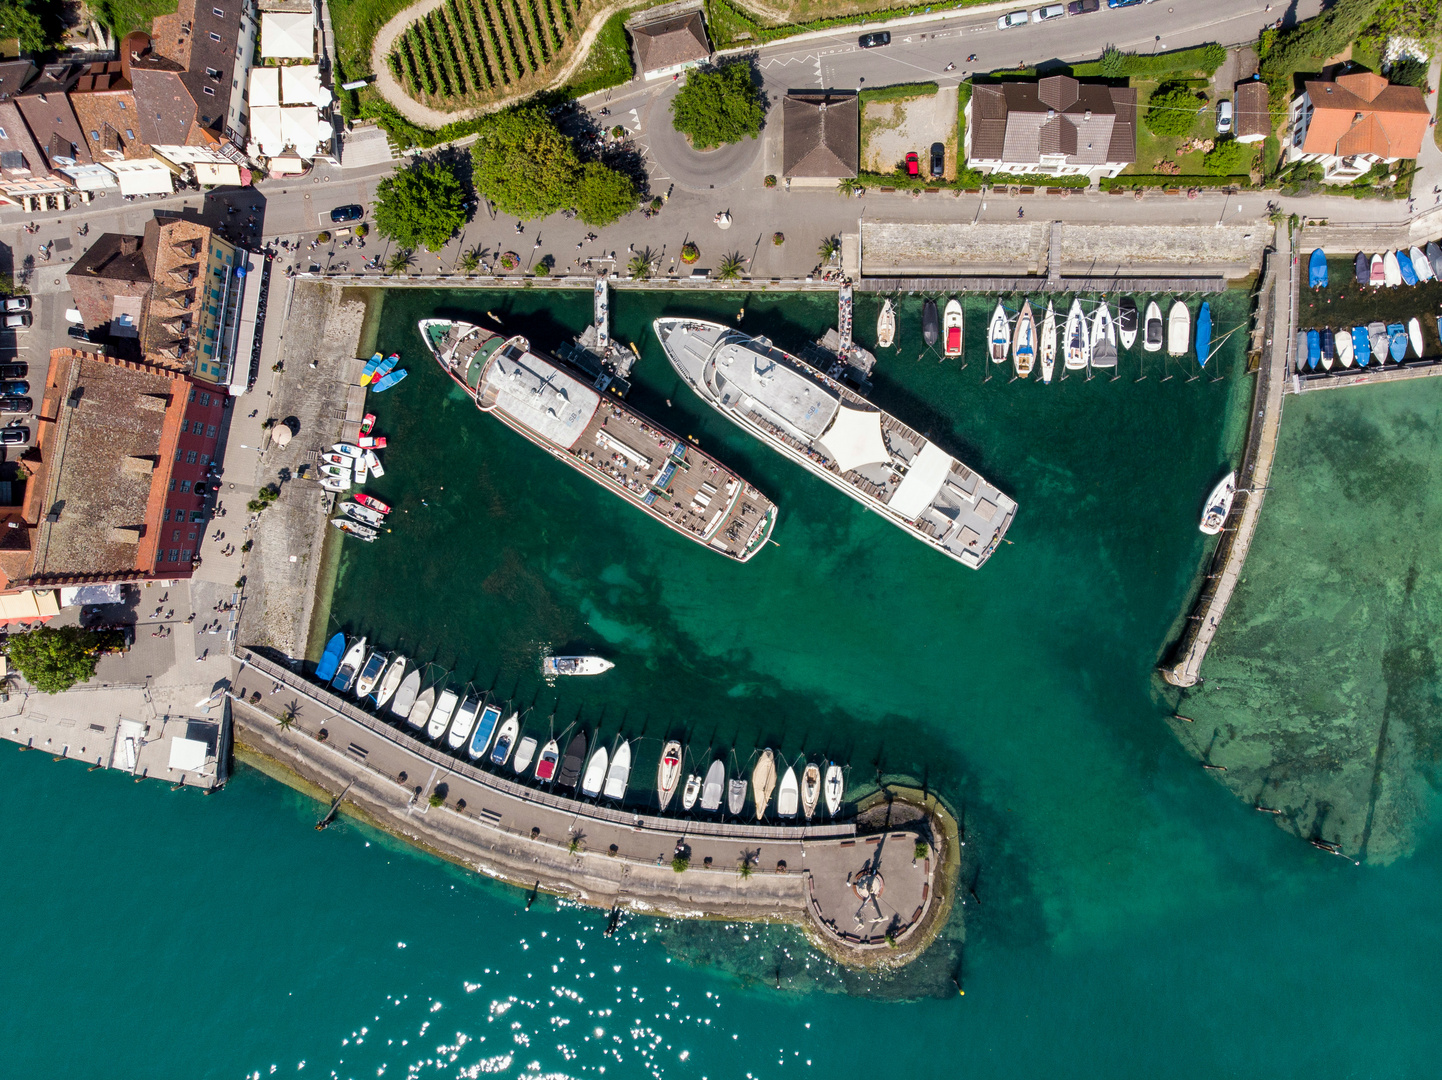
{"type": "Point", "coordinates": [578, 807]}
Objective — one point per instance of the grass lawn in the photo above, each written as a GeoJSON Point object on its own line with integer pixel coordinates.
{"type": "Point", "coordinates": [123, 16]}
{"type": "Point", "coordinates": [356, 23]}
{"type": "Point", "coordinates": [1154, 148]}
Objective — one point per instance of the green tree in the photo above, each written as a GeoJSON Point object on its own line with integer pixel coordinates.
{"type": "Point", "coordinates": [34, 23]}
{"type": "Point", "coordinates": [640, 265]}
{"type": "Point", "coordinates": [400, 262]}
{"type": "Point", "coordinates": [828, 249]}
{"type": "Point", "coordinates": [1113, 62]}
{"type": "Point", "coordinates": [423, 205]}
{"type": "Point", "coordinates": [53, 659]}
{"type": "Point", "coordinates": [470, 259]}
{"type": "Point", "coordinates": [603, 194]}
{"type": "Point", "coordinates": [524, 164]}
{"type": "Point", "coordinates": [718, 106]}
{"type": "Point", "coordinates": [1172, 110]}
{"type": "Point", "coordinates": [731, 268]}
{"type": "Point", "coordinates": [1228, 157]}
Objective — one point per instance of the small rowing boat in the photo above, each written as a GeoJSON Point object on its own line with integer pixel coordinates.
{"type": "Point", "coordinates": [1078, 344]}
{"type": "Point", "coordinates": [1378, 273]}
{"type": "Point", "coordinates": [1344, 347]}
{"type": "Point", "coordinates": [595, 773]}
{"type": "Point", "coordinates": [619, 774]}
{"type": "Point", "coordinates": [788, 795]}
{"type": "Point", "coordinates": [1434, 256]}
{"type": "Point", "coordinates": [1414, 335]}
{"type": "Point", "coordinates": [1377, 335]}
{"type": "Point", "coordinates": [998, 335]}
{"type": "Point", "coordinates": [1420, 266]}
{"type": "Point", "coordinates": [951, 325]}
{"type": "Point", "coordinates": [1219, 505]}
{"type": "Point", "coordinates": [1361, 268]}
{"type": "Point", "coordinates": [1404, 267]}
{"type": "Point", "coordinates": [1397, 341]}
{"type": "Point", "coordinates": [1329, 350]}
{"type": "Point", "coordinates": [1047, 343]}
{"type": "Point", "coordinates": [1391, 270]}
{"type": "Point", "coordinates": [886, 325]}
{"type": "Point", "coordinates": [406, 694]}
{"type": "Point", "coordinates": [1314, 349]}
{"type": "Point", "coordinates": [1301, 351]}
{"type": "Point", "coordinates": [1023, 345]}
{"type": "Point", "coordinates": [668, 772]}
{"type": "Point", "coordinates": [1361, 345]}
{"type": "Point", "coordinates": [763, 781]}
{"type": "Point", "coordinates": [810, 789]}
{"type": "Point", "coordinates": [1317, 269]}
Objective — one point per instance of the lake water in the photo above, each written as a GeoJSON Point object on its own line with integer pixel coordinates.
{"type": "Point", "coordinates": [1130, 916]}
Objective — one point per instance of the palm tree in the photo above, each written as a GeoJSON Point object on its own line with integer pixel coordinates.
{"type": "Point", "coordinates": [287, 716]}
{"type": "Point", "coordinates": [400, 262]}
{"type": "Point", "coordinates": [731, 268]}
{"type": "Point", "coordinates": [828, 249]}
{"type": "Point", "coordinates": [470, 260]}
{"type": "Point", "coordinates": [640, 265]}
{"type": "Point", "coordinates": [848, 186]}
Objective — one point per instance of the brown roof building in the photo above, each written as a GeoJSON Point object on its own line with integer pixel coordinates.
{"type": "Point", "coordinates": [213, 41]}
{"type": "Point", "coordinates": [120, 446]}
{"type": "Point", "coordinates": [45, 104]}
{"type": "Point", "coordinates": [104, 104]}
{"type": "Point", "coordinates": [667, 45]}
{"type": "Point", "coordinates": [1356, 121]}
{"type": "Point", "coordinates": [820, 135]}
{"type": "Point", "coordinates": [1057, 126]}
{"type": "Point", "coordinates": [1252, 117]}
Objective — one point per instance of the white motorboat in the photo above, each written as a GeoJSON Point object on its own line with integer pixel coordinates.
{"type": "Point", "coordinates": [1421, 266]}
{"type": "Point", "coordinates": [810, 788]}
{"type": "Point", "coordinates": [336, 484]}
{"type": "Point", "coordinates": [763, 781]}
{"type": "Point", "coordinates": [551, 666]}
{"type": "Point", "coordinates": [951, 329]}
{"type": "Point", "coordinates": [1047, 343]}
{"type": "Point", "coordinates": [1023, 342]}
{"type": "Point", "coordinates": [736, 795]}
{"type": "Point", "coordinates": [715, 782]}
{"type": "Point", "coordinates": [1391, 270]}
{"type": "Point", "coordinates": [1414, 335]}
{"type": "Point", "coordinates": [886, 325]}
{"type": "Point", "coordinates": [693, 788]}
{"type": "Point", "coordinates": [1219, 505]}
{"type": "Point", "coordinates": [441, 715]}
{"type": "Point", "coordinates": [668, 772]}
{"type": "Point", "coordinates": [349, 450]}
{"type": "Point", "coordinates": [390, 681]}
{"type": "Point", "coordinates": [1344, 347]}
{"type": "Point", "coordinates": [370, 673]}
{"type": "Point", "coordinates": [1152, 328]}
{"type": "Point", "coordinates": [1127, 322]}
{"type": "Point", "coordinates": [421, 711]}
{"type": "Point", "coordinates": [834, 786]}
{"type": "Point", "coordinates": [406, 693]}
{"type": "Point", "coordinates": [525, 754]}
{"type": "Point", "coordinates": [1179, 329]}
{"type": "Point", "coordinates": [595, 774]}
{"type": "Point", "coordinates": [336, 472]}
{"type": "Point", "coordinates": [788, 795]}
{"type": "Point", "coordinates": [619, 774]}
{"type": "Point", "coordinates": [1104, 338]}
{"type": "Point", "coordinates": [998, 335]}
{"type": "Point", "coordinates": [464, 722]}
{"type": "Point", "coordinates": [349, 666]}
{"type": "Point", "coordinates": [1077, 349]}
{"type": "Point", "coordinates": [360, 471]}
{"type": "Point", "coordinates": [505, 740]}
{"type": "Point", "coordinates": [354, 528]}
{"type": "Point", "coordinates": [546, 763]}
{"type": "Point", "coordinates": [364, 514]}
{"type": "Point", "coordinates": [373, 463]}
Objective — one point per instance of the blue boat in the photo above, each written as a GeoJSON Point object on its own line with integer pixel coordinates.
{"type": "Point", "coordinates": [384, 367]}
{"type": "Point", "coordinates": [485, 728]}
{"type": "Point", "coordinates": [1361, 346]}
{"type": "Point", "coordinates": [330, 659]}
{"type": "Point", "coordinates": [368, 372]}
{"type": "Point", "coordinates": [1317, 270]}
{"type": "Point", "coordinates": [1204, 334]}
{"type": "Point", "coordinates": [1314, 349]}
{"type": "Point", "coordinates": [1363, 269]}
{"type": "Point", "coordinates": [1329, 348]}
{"type": "Point", "coordinates": [1397, 341]}
{"type": "Point", "coordinates": [1404, 264]}
{"type": "Point", "coordinates": [389, 381]}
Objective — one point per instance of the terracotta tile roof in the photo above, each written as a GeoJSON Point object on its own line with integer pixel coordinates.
{"type": "Point", "coordinates": [45, 105]}
{"type": "Point", "coordinates": [1251, 115]}
{"type": "Point", "coordinates": [680, 39]}
{"type": "Point", "coordinates": [820, 133]}
{"type": "Point", "coordinates": [1362, 113]}
{"type": "Point", "coordinates": [105, 105]}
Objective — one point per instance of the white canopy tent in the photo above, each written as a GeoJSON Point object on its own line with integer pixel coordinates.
{"type": "Point", "coordinates": [264, 87]}
{"type": "Point", "coordinates": [287, 35]}
{"type": "Point", "coordinates": [143, 176]}
{"type": "Point", "coordinates": [188, 755]}
{"type": "Point", "coordinates": [266, 131]}
{"type": "Point", "coordinates": [300, 85]}
{"type": "Point", "coordinates": [919, 487]}
{"type": "Point", "coordinates": [854, 438]}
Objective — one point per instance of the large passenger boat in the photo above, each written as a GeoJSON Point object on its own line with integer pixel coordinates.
{"type": "Point", "coordinates": [573, 418]}
{"type": "Point", "coordinates": [841, 437]}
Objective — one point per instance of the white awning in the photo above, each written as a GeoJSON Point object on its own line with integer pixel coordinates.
{"type": "Point", "coordinates": [286, 165]}
{"type": "Point", "coordinates": [919, 487]}
{"type": "Point", "coordinates": [300, 85]}
{"type": "Point", "coordinates": [210, 174]}
{"type": "Point", "coordinates": [265, 130]}
{"type": "Point", "coordinates": [90, 177]}
{"type": "Point", "coordinates": [298, 126]}
{"type": "Point", "coordinates": [187, 755]}
{"type": "Point", "coordinates": [854, 438]}
{"type": "Point", "coordinates": [28, 605]}
{"type": "Point", "coordinates": [142, 177]}
{"type": "Point", "coordinates": [264, 87]}
{"type": "Point", "coordinates": [287, 35]}
{"type": "Point", "coordinates": [91, 594]}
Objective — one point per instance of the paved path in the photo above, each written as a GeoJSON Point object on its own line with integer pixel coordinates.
{"type": "Point", "coordinates": [674, 161]}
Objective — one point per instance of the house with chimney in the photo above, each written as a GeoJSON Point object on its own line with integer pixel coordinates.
{"type": "Point", "coordinates": [1355, 121]}
{"type": "Point", "coordinates": [1058, 126]}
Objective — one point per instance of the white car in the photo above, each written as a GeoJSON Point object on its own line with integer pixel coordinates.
{"type": "Point", "coordinates": [1016, 18]}
{"type": "Point", "coordinates": [1051, 11]}
{"type": "Point", "coordinates": [18, 303]}
{"type": "Point", "coordinates": [1224, 117]}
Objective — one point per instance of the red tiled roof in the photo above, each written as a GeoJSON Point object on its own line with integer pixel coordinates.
{"type": "Point", "coordinates": [1362, 113]}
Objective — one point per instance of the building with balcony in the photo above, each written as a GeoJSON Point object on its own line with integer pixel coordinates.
{"type": "Point", "coordinates": [1355, 121]}
{"type": "Point", "coordinates": [1056, 127]}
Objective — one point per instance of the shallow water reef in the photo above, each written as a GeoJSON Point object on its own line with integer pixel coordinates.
{"type": "Point", "coordinates": [1320, 694]}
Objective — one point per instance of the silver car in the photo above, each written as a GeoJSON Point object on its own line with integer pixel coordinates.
{"type": "Point", "coordinates": [1016, 18]}
{"type": "Point", "coordinates": [1051, 11]}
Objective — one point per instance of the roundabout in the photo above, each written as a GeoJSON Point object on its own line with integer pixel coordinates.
{"type": "Point", "coordinates": [695, 170]}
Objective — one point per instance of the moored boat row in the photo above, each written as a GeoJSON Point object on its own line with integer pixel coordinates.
{"type": "Point", "coordinates": [1362, 345]}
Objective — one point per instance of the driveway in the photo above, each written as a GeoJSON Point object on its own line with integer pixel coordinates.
{"type": "Point", "coordinates": [676, 162]}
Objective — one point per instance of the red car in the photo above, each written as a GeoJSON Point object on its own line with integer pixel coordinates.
{"type": "Point", "coordinates": [913, 164]}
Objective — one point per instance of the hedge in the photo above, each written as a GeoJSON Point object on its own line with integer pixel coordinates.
{"type": "Point", "coordinates": [1203, 58]}
{"type": "Point", "coordinates": [1147, 181]}
{"type": "Point", "coordinates": [969, 179]}
{"type": "Point", "coordinates": [729, 25]}
{"type": "Point", "coordinates": [899, 92]}
{"type": "Point", "coordinates": [407, 134]}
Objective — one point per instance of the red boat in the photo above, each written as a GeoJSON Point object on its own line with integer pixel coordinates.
{"type": "Point", "coordinates": [374, 503]}
{"type": "Point", "coordinates": [369, 442]}
{"type": "Point", "coordinates": [368, 421]}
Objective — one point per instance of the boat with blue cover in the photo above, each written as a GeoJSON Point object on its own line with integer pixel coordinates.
{"type": "Point", "coordinates": [1204, 334]}
{"type": "Point", "coordinates": [1314, 349]}
{"type": "Point", "coordinates": [1397, 341]}
{"type": "Point", "coordinates": [369, 371]}
{"type": "Point", "coordinates": [389, 380]}
{"type": "Point", "coordinates": [1317, 270]}
{"type": "Point", "coordinates": [1329, 350]}
{"type": "Point", "coordinates": [485, 728]}
{"type": "Point", "coordinates": [330, 659]}
{"type": "Point", "coordinates": [1361, 346]}
{"type": "Point", "coordinates": [1404, 266]}
{"type": "Point", "coordinates": [1363, 268]}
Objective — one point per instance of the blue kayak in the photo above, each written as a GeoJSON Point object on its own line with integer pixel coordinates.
{"type": "Point", "coordinates": [1361, 346]}
{"type": "Point", "coordinates": [1204, 334]}
{"type": "Point", "coordinates": [1404, 264]}
{"type": "Point", "coordinates": [369, 370]}
{"type": "Point", "coordinates": [1314, 348]}
{"type": "Point", "coordinates": [1317, 270]}
{"type": "Point", "coordinates": [330, 659]}
{"type": "Point", "coordinates": [1397, 341]}
{"type": "Point", "coordinates": [389, 381]}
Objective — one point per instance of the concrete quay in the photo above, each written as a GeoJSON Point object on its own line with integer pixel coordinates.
{"type": "Point", "coordinates": [815, 876]}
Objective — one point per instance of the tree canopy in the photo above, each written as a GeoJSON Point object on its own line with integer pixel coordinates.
{"type": "Point", "coordinates": [1228, 157]}
{"type": "Point", "coordinates": [528, 168]}
{"type": "Point", "coordinates": [36, 24]}
{"type": "Point", "coordinates": [718, 106]}
{"type": "Point", "coordinates": [1172, 110]}
{"type": "Point", "coordinates": [423, 205]}
{"type": "Point", "coordinates": [53, 659]}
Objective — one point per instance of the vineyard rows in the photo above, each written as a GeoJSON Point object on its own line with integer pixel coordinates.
{"type": "Point", "coordinates": [469, 47]}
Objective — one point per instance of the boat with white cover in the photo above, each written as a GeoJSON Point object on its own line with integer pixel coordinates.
{"type": "Point", "coordinates": [525, 754]}
{"type": "Point", "coordinates": [715, 783]}
{"type": "Point", "coordinates": [441, 715]}
{"type": "Point", "coordinates": [406, 694]}
{"type": "Point", "coordinates": [595, 774]}
{"type": "Point", "coordinates": [835, 434]}
{"type": "Point", "coordinates": [788, 795]}
{"type": "Point", "coordinates": [421, 711]}
{"type": "Point", "coordinates": [1219, 505]}
{"type": "Point", "coordinates": [619, 774]}
{"type": "Point", "coordinates": [763, 781]}
{"type": "Point", "coordinates": [668, 772]}
{"type": "Point", "coordinates": [1179, 329]}
{"type": "Point", "coordinates": [834, 786]}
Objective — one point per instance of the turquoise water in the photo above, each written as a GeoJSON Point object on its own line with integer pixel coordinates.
{"type": "Point", "coordinates": [1129, 918]}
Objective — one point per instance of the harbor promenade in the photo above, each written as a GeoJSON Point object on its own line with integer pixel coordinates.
{"type": "Point", "coordinates": [866, 894]}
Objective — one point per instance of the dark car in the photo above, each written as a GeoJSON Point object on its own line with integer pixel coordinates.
{"type": "Point", "coordinates": [79, 333]}
{"type": "Point", "coordinates": [913, 164]}
{"type": "Point", "coordinates": [872, 41]}
{"type": "Point", "coordinates": [1123, 3]}
{"type": "Point", "coordinates": [13, 436]}
{"type": "Point", "coordinates": [1083, 7]}
{"type": "Point", "coordinates": [938, 159]}
{"type": "Point", "coordinates": [14, 404]}
{"type": "Point", "coordinates": [14, 389]}
{"type": "Point", "coordinates": [14, 371]}
{"type": "Point", "coordinates": [347, 213]}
